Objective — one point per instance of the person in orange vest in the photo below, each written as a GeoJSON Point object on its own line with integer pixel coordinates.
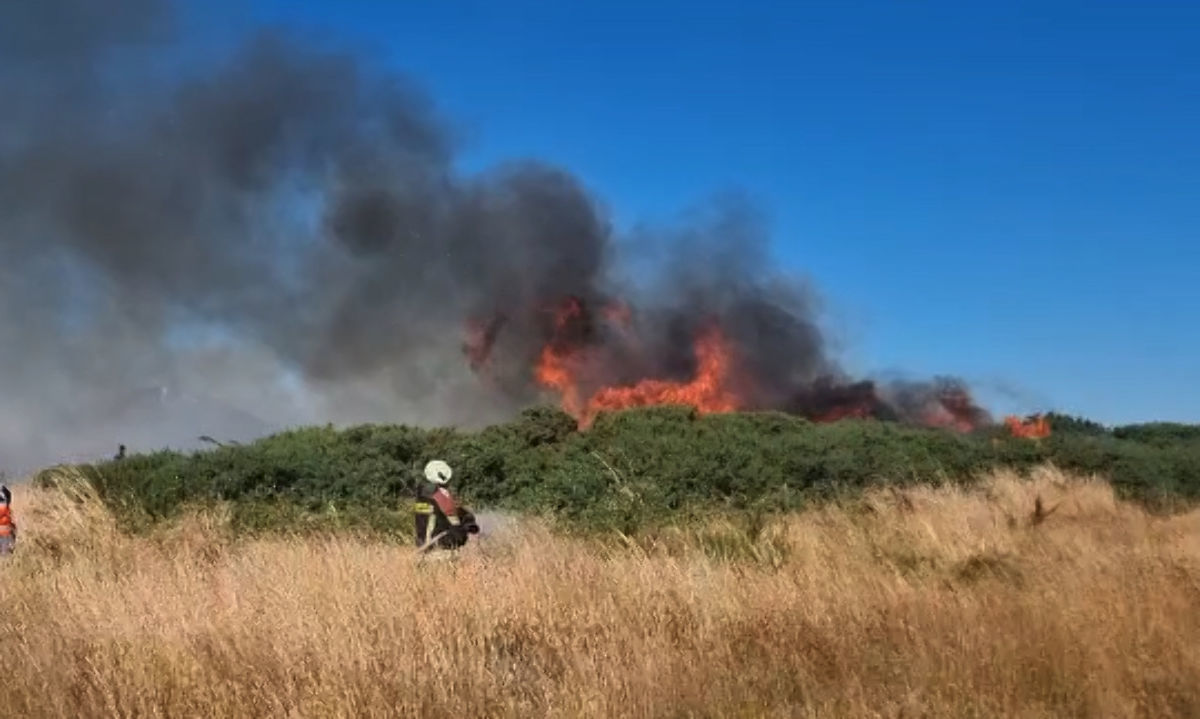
{"type": "Point", "coordinates": [8, 528]}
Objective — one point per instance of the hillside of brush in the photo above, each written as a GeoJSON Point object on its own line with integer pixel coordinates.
{"type": "Point", "coordinates": [629, 471]}
{"type": "Point", "coordinates": [931, 602]}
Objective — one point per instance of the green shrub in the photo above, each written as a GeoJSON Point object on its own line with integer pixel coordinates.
{"type": "Point", "coordinates": [631, 470]}
{"type": "Point", "coordinates": [1161, 434]}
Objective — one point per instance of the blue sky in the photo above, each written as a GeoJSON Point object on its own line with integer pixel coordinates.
{"type": "Point", "coordinates": [1008, 192]}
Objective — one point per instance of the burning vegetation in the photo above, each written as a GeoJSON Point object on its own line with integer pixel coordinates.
{"type": "Point", "coordinates": [1034, 427]}
{"type": "Point", "coordinates": [608, 359]}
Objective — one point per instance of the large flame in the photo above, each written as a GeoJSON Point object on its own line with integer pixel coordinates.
{"type": "Point", "coordinates": [554, 371]}
{"type": "Point", "coordinates": [595, 360]}
{"type": "Point", "coordinates": [707, 391]}
{"type": "Point", "coordinates": [562, 362]}
{"type": "Point", "coordinates": [558, 365]}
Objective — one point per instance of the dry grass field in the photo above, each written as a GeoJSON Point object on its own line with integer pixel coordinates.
{"type": "Point", "coordinates": [935, 603]}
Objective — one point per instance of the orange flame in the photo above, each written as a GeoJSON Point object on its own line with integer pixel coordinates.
{"type": "Point", "coordinates": [581, 360]}
{"type": "Point", "coordinates": [555, 369]}
{"type": "Point", "coordinates": [706, 391]}
{"type": "Point", "coordinates": [560, 367]}
{"type": "Point", "coordinates": [1034, 428]}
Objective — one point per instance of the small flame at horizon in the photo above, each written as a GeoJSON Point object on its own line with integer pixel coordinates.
{"type": "Point", "coordinates": [1034, 428]}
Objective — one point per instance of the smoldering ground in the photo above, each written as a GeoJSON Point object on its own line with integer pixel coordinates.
{"type": "Point", "coordinates": [280, 236]}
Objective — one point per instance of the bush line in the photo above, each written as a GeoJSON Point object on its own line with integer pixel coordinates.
{"type": "Point", "coordinates": [631, 470]}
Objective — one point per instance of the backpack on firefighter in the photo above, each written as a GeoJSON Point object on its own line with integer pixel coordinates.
{"type": "Point", "coordinates": [439, 521]}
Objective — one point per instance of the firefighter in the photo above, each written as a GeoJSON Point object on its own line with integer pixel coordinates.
{"type": "Point", "coordinates": [8, 528]}
{"type": "Point", "coordinates": [440, 522]}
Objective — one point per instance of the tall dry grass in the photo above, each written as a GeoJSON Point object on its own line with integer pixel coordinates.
{"type": "Point", "coordinates": [923, 603]}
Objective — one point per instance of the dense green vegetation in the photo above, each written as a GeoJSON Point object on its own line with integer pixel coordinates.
{"type": "Point", "coordinates": [630, 470]}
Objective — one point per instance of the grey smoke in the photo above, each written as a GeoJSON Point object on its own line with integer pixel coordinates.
{"type": "Point", "coordinates": [281, 236]}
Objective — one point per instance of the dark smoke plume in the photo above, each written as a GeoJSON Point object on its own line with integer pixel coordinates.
{"type": "Point", "coordinates": [281, 237]}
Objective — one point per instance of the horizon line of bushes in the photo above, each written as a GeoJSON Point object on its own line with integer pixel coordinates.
{"type": "Point", "coordinates": [630, 471]}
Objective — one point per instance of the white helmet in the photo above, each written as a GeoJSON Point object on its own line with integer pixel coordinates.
{"type": "Point", "coordinates": [437, 472]}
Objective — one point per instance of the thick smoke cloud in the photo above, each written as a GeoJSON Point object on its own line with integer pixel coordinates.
{"type": "Point", "coordinates": [273, 238]}
{"type": "Point", "coordinates": [280, 237]}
